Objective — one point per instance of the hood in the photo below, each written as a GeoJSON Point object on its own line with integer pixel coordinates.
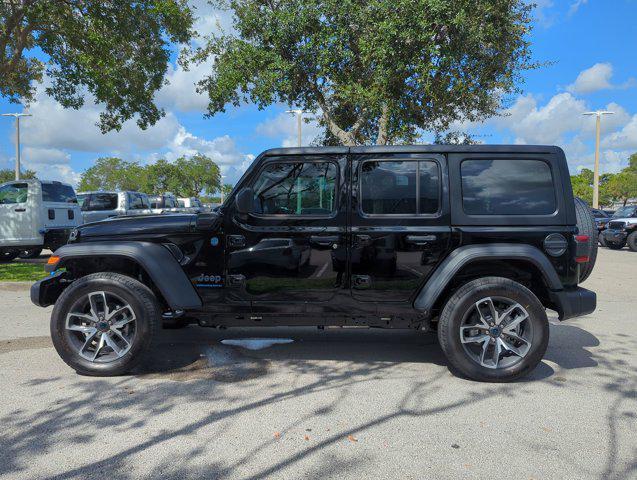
{"type": "Point", "coordinates": [143, 226]}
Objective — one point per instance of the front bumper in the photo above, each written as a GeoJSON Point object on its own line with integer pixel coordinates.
{"type": "Point", "coordinates": [574, 302]}
{"type": "Point", "coordinates": [46, 291]}
{"type": "Point", "coordinates": [615, 236]}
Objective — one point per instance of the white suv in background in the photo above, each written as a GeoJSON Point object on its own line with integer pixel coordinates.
{"type": "Point", "coordinates": [34, 215]}
{"type": "Point", "coordinates": [101, 205]}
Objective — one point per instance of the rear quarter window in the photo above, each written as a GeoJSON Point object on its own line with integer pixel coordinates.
{"type": "Point", "coordinates": [57, 192]}
{"type": "Point", "coordinates": [507, 187]}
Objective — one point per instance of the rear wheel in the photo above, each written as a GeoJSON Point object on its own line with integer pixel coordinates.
{"type": "Point", "coordinates": [103, 324]}
{"type": "Point", "coordinates": [31, 253]}
{"type": "Point", "coordinates": [493, 329]}
{"type": "Point", "coordinates": [632, 241]}
{"type": "Point", "coordinates": [7, 255]}
{"type": "Point", "coordinates": [586, 226]}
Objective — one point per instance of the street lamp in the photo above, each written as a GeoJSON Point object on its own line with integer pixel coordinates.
{"type": "Point", "coordinates": [17, 139]}
{"type": "Point", "coordinates": [299, 117]}
{"type": "Point", "coordinates": [598, 114]}
{"type": "Point", "coordinates": [222, 196]}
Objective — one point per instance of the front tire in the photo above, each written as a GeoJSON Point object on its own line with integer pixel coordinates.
{"type": "Point", "coordinates": [602, 240]}
{"type": "Point", "coordinates": [104, 324]}
{"type": "Point", "coordinates": [8, 255]}
{"type": "Point", "coordinates": [493, 329]}
{"type": "Point", "coordinates": [616, 246]}
{"type": "Point", "coordinates": [31, 253]}
{"type": "Point", "coordinates": [632, 241]}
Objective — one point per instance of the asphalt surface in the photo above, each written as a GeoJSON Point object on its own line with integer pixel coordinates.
{"type": "Point", "coordinates": [333, 404]}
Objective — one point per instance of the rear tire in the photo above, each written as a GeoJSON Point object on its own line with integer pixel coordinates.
{"type": "Point", "coordinates": [587, 226]}
{"type": "Point", "coordinates": [631, 241]}
{"type": "Point", "coordinates": [485, 352]}
{"type": "Point", "coordinates": [7, 255]}
{"type": "Point", "coordinates": [31, 253]}
{"type": "Point", "coordinates": [615, 246]}
{"type": "Point", "coordinates": [85, 319]}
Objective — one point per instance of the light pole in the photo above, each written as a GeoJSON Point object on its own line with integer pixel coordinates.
{"type": "Point", "coordinates": [17, 139]}
{"type": "Point", "coordinates": [222, 197]}
{"type": "Point", "coordinates": [299, 118]}
{"type": "Point", "coordinates": [598, 114]}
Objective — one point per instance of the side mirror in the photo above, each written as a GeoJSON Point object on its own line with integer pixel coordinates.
{"type": "Point", "coordinates": [244, 201]}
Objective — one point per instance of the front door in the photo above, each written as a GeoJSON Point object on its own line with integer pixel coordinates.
{"type": "Point", "coordinates": [19, 215]}
{"type": "Point", "coordinates": [399, 224]}
{"type": "Point", "coordinates": [291, 250]}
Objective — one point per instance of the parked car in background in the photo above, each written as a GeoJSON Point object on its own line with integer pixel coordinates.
{"type": "Point", "coordinates": [166, 203]}
{"type": "Point", "coordinates": [601, 219]}
{"type": "Point", "coordinates": [101, 205]}
{"type": "Point", "coordinates": [622, 229]}
{"type": "Point", "coordinates": [35, 215]}
{"type": "Point", "coordinates": [190, 205]}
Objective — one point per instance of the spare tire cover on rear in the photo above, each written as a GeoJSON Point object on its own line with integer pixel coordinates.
{"type": "Point", "coordinates": [586, 226]}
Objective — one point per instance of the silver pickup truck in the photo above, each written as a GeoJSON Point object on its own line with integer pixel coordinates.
{"type": "Point", "coordinates": [102, 205]}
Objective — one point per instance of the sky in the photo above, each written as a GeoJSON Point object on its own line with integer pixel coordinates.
{"type": "Point", "coordinates": [590, 51]}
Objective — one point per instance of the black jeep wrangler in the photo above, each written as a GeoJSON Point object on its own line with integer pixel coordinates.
{"type": "Point", "coordinates": [474, 241]}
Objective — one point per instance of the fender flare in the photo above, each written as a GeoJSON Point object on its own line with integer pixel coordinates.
{"type": "Point", "coordinates": [155, 259]}
{"type": "Point", "coordinates": [463, 256]}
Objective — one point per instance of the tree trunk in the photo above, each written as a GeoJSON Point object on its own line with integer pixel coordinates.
{"type": "Point", "coordinates": [382, 126]}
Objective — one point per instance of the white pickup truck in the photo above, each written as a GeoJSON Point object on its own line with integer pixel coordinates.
{"type": "Point", "coordinates": [34, 215]}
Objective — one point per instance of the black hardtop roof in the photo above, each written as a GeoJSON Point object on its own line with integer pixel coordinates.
{"type": "Point", "coordinates": [415, 149]}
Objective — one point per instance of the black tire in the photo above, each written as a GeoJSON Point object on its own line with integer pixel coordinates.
{"type": "Point", "coordinates": [8, 255]}
{"type": "Point", "coordinates": [601, 239]}
{"type": "Point", "coordinates": [631, 241]}
{"type": "Point", "coordinates": [586, 225]}
{"type": "Point", "coordinates": [147, 323]}
{"type": "Point", "coordinates": [461, 303]}
{"type": "Point", "coordinates": [615, 246]}
{"type": "Point", "coordinates": [31, 253]}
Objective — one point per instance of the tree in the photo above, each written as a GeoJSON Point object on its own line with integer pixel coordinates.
{"type": "Point", "coordinates": [623, 185]}
{"type": "Point", "coordinates": [117, 50]}
{"type": "Point", "coordinates": [111, 173]}
{"type": "Point", "coordinates": [379, 71]}
{"type": "Point", "coordinates": [7, 175]}
{"type": "Point", "coordinates": [195, 175]}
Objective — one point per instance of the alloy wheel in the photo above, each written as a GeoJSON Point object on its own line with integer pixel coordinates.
{"type": "Point", "coordinates": [101, 327]}
{"type": "Point", "coordinates": [496, 332]}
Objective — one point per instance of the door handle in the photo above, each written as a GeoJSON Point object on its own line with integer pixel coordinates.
{"type": "Point", "coordinates": [420, 239]}
{"type": "Point", "coordinates": [236, 240]}
{"type": "Point", "coordinates": [363, 240]}
{"type": "Point", "coordinates": [20, 210]}
{"type": "Point", "coordinates": [361, 282]}
{"type": "Point", "coordinates": [324, 241]}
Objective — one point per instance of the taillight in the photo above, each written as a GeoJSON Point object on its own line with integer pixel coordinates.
{"type": "Point", "coordinates": [582, 250]}
{"type": "Point", "coordinates": [71, 214]}
{"type": "Point", "coordinates": [51, 214]}
{"type": "Point", "coordinates": [582, 238]}
{"type": "Point", "coordinates": [582, 259]}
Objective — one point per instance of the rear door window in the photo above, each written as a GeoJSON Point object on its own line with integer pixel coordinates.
{"type": "Point", "coordinates": [400, 187]}
{"type": "Point", "coordinates": [14, 193]}
{"type": "Point", "coordinates": [57, 192]}
{"type": "Point", "coordinates": [507, 187]}
{"type": "Point", "coordinates": [100, 201]}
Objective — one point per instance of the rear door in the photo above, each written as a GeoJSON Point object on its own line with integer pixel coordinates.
{"type": "Point", "coordinates": [59, 206]}
{"type": "Point", "coordinates": [399, 223]}
{"type": "Point", "coordinates": [291, 250]}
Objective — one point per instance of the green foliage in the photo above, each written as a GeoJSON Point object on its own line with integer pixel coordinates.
{"type": "Point", "coordinates": [117, 50]}
{"type": "Point", "coordinates": [612, 186]}
{"type": "Point", "coordinates": [7, 175]}
{"type": "Point", "coordinates": [379, 71]}
{"type": "Point", "coordinates": [186, 177]}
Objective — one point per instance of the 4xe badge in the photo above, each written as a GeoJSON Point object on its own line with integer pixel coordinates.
{"type": "Point", "coordinates": [208, 281]}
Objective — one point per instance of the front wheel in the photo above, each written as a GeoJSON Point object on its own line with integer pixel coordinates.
{"type": "Point", "coordinates": [104, 323]}
{"type": "Point", "coordinates": [7, 255]}
{"type": "Point", "coordinates": [632, 241]}
{"type": "Point", "coordinates": [31, 253]}
{"type": "Point", "coordinates": [493, 329]}
{"type": "Point", "coordinates": [601, 240]}
{"type": "Point", "coordinates": [616, 246]}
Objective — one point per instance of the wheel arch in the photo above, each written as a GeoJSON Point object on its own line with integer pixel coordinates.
{"type": "Point", "coordinates": [156, 263]}
{"type": "Point", "coordinates": [514, 261]}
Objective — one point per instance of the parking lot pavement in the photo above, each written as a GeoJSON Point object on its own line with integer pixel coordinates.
{"type": "Point", "coordinates": [332, 404]}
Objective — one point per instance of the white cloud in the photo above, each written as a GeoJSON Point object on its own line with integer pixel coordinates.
{"type": "Point", "coordinates": [626, 138]}
{"type": "Point", "coordinates": [597, 77]}
{"type": "Point", "coordinates": [180, 92]}
{"type": "Point", "coordinates": [575, 6]}
{"type": "Point", "coordinates": [284, 127]}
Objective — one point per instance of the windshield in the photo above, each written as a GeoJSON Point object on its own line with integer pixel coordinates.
{"type": "Point", "coordinates": [627, 211]}
{"type": "Point", "coordinates": [58, 192]}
